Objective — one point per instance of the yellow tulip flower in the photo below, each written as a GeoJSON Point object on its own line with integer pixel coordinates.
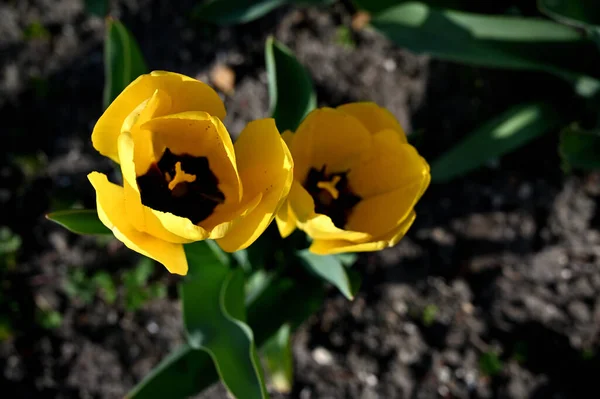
{"type": "Point", "coordinates": [356, 180]}
{"type": "Point", "coordinates": [183, 178]}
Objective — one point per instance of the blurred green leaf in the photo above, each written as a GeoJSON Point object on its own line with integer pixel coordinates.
{"type": "Point", "coordinates": [214, 317]}
{"type": "Point", "coordinates": [228, 12]}
{"type": "Point", "coordinates": [80, 221]}
{"type": "Point", "coordinates": [98, 8]}
{"type": "Point", "coordinates": [330, 269]}
{"type": "Point", "coordinates": [508, 131]}
{"type": "Point", "coordinates": [105, 283]}
{"type": "Point", "coordinates": [49, 319]}
{"type": "Point", "coordinates": [490, 40]}
{"type": "Point", "coordinates": [36, 30]}
{"type": "Point", "coordinates": [490, 364]}
{"type": "Point", "coordinates": [580, 149]}
{"type": "Point", "coordinates": [9, 241]}
{"type": "Point", "coordinates": [184, 373]}
{"type": "Point", "coordinates": [377, 6]}
{"type": "Point", "coordinates": [579, 13]}
{"type": "Point", "coordinates": [123, 60]}
{"type": "Point", "coordinates": [429, 314]}
{"type": "Point", "coordinates": [291, 93]}
{"type": "Point", "coordinates": [277, 352]}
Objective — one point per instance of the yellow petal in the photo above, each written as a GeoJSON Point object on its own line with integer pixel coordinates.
{"type": "Point", "coordinates": [286, 220]}
{"type": "Point", "coordinates": [390, 164]}
{"type": "Point", "coordinates": [302, 207]}
{"type": "Point", "coordinates": [328, 137]}
{"type": "Point", "coordinates": [200, 135]}
{"type": "Point", "coordinates": [374, 117]}
{"type": "Point", "coordinates": [187, 94]}
{"type": "Point", "coordinates": [111, 211]}
{"type": "Point", "coordinates": [328, 247]}
{"type": "Point", "coordinates": [383, 213]}
{"type": "Point", "coordinates": [265, 166]}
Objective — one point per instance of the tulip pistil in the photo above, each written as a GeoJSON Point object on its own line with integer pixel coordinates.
{"type": "Point", "coordinates": [181, 184]}
{"type": "Point", "coordinates": [332, 194]}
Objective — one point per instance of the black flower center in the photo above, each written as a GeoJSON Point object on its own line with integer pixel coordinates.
{"type": "Point", "coordinates": [332, 194]}
{"type": "Point", "coordinates": [182, 185]}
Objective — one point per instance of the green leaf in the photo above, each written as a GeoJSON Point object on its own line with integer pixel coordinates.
{"type": "Point", "coordinates": [581, 13]}
{"type": "Point", "coordinates": [123, 60]}
{"type": "Point", "coordinates": [80, 221]}
{"type": "Point", "coordinates": [98, 8]}
{"type": "Point", "coordinates": [580, 149]}
{"type": "Point", "coordinates": [508, 131]}
{"type": "Point", "coordinates": [330, 269]}
{"type": "Point", "coordinates": [184, 373]}
{"type": "Point", "coordinates": [291, 93]}
{"type": "Point", "coordinates": [214, 317]}
{"type": "Point", "coordinates": [277, 352]}
{"type": "Point", "coordinates": [189, 371]}
{"type": "Point", "coordinates": [228, 12]}
{"type": "Point", "coordinates": [9, 241]}
{"type": "Point", "coordinates": [490, 40]}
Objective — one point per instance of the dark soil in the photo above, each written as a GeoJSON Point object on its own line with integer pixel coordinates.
{"type": "Point", "coordinates": [493, 293]}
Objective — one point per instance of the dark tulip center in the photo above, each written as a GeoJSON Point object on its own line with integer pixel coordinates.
{"type": "Point", "coordinates": [332, 194]}
{"type": "Point", "coordinates": [183, 185]}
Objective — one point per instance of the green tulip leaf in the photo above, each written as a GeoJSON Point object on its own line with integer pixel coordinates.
{"type": "Point", "coordinates": [490, 40]}
{"type": "Point", "coordinates": [581, 13]}
{"type": "Point", "coordinates": [189, 371]}
{"type": "Point", "coordinates": [228, 12]}
{"type": "Point", "coordinates": [291, 93]}
{"type": "Point", "coordinates": [184, 373]}
{"type": "Point", "coordinates": [580, 149]}
{"type": "Point", "coordinates": [508, 131]}
{"type": "Point", "coordinates": [123, 60]}
{"type": "Point", "coordinates": [277, 352]}
{"type": "Point", "coordinates": [80, 221]}
{"type": "Point", "coordinates": [214, 318]}
{"type": "Point", "coordinates": [330, 269]}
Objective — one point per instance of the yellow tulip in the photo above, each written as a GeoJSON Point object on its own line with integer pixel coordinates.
{"type": "Point", "coordinates": [183, 178]}
{"type": "Point", "coordinates": [356, 180]}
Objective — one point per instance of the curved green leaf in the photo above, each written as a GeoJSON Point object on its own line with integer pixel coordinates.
{"type": "Point", "coordinates": [214, 317]}
{"type": "Point", "coordinates": [580, 13]}
{"type": "Point", "coordinates": [228, 12]}
{"type": "Point", "coordinates": [291, 93]}
{"type": "Point", "coordinates": [189, 371]}
{"type": "Point", "coordinates": [506, 132]}
{"type": "Point", "coordinates": [490, 40]}
{"type": "Point", "coordinates": [80, 221]}
{"type": "Point", "coordinates": [184, 373]}
{"type": "Point", "coordinates": [330, 269]}
{"type": "Point", "coordinates": [123, 60]}
{"type": "Point", "coordinates": [277, 352]}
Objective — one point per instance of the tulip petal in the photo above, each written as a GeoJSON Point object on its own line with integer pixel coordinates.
{"type": "Point", "coordinates": [328, 137]}
{"type": "Point", "coordinates": [383, 213]}
{"type": "Point", "coordinates": [110, 200]}
{"type": "Point", "coordinates": [266, 167]}
{"type": "Point", "coordinates": [187, 94]}
{"type": "Point", "coordinates": [374, 117]}
{"type": "Point", "coordinates": [286, 220]}
{"type": "Point", "coordinates": [316, 225]}
{"type": "Point", "coordinates": [140, 216]}
{"type": "Point", "coordinates": [391, 164]}
{"type": "Point", "coordinates": [328, 247]}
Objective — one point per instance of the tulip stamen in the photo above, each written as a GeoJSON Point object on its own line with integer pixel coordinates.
{"type": "Point", "coordinates": [180, 177]}
{"type": "Point", "coordinates": [332, 194]}
{"type": "Point", "coordinates": [329, 186]}
{"type": "Point", "coordinates": [183, 185]}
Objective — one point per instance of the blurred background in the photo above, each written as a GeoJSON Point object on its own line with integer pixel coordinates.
{"type": "Point", "coordinates": [494, 293]}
